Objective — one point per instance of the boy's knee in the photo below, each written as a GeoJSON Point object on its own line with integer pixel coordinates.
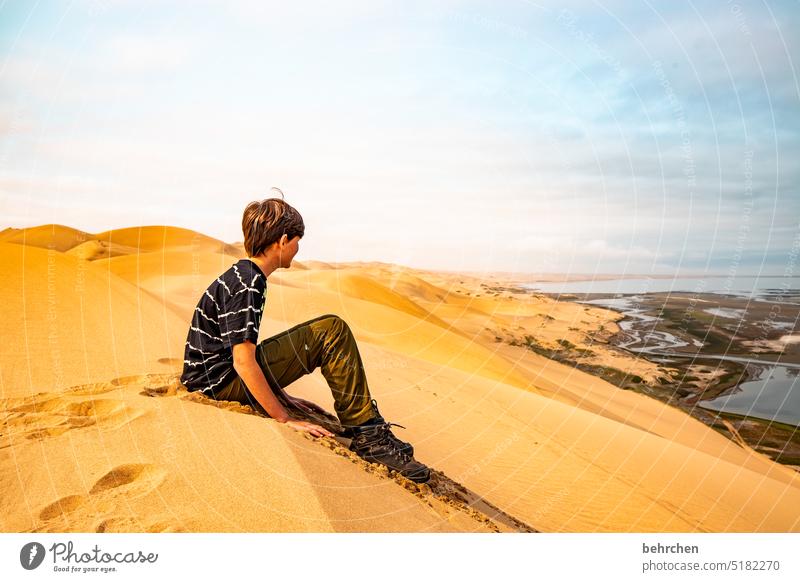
{"type": "Point", "coordinates": [336, 322]}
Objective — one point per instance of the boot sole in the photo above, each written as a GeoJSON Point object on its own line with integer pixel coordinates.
{"type": "Point", "coordinates": [417, 478]}
{"type": "Point", "coordinates": [420, 478]}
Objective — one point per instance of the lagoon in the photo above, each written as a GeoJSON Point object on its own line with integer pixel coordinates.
{"type": "Point", "coordinates": [756, 287]}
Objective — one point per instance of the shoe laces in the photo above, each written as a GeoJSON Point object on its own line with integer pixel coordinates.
{"type": "Point", "coordinates": [389, 432]}
{"type": "Point", "coordinates": [386, 423]}
{"type": "Point", "coordinates": [391, 424]}
{"type": "Point", "coordinates": [387, 435]}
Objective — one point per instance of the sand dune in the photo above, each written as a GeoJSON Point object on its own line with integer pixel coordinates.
{"type": "Point", "coordinates": [92, 250]}
{"type": "Point", "coordinates": [97, 434]}
{"type": "Point", "coordinates": [365, 286]}
{"type": "Point", "coordinates": [383, 325]}
{"type": "Point", "coordinates": [141, 239]}
{"type": "Point", "coordinates": [561, 468]}
{"type": "Point", "coordinates": [318, 265]}
{"type": "Point", "coordinates": [68, 322]}
{"type": "Point", "coordinates": [157, 238]}
{"type": "Point", "coordinates": [174, 278]}
{"type": "Point", "coordinates": [58, 237]}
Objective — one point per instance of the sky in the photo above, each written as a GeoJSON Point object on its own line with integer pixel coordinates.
{"type": "Point", "coordinates": [583, 137]}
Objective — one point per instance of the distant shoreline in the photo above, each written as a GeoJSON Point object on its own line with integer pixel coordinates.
{"type": "Point", "coordinates": [699, 381]}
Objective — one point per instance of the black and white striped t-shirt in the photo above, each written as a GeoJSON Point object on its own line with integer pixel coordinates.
{"type": "Point", "coordinates": [228, 313]}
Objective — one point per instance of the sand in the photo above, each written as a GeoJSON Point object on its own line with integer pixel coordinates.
{"type": "Point", "coordinates": [98, 435]}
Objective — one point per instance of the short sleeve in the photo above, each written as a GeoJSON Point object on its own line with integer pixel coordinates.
{"type": "Point", "coordinates": [240, 309]}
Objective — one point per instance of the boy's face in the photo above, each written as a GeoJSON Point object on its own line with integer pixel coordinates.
{"type": "Point", "coordinates": [288, 249]}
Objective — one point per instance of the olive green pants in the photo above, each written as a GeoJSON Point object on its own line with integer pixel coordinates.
{"type": "Point", "coordinates": [325, 342]}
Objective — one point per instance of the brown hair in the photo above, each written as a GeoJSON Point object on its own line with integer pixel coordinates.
{"type": "Point", "coordinates": [264, 222]}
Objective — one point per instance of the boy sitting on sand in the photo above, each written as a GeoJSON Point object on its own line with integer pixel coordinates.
{"type": "Point", "coordinates": [224, 360]}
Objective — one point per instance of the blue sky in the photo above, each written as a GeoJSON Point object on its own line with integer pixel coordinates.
{"type": "Point", "coordinates": [514, 136]}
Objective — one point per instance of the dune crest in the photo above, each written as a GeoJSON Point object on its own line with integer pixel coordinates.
{"type": "Point", "coordinates": [136, 239]}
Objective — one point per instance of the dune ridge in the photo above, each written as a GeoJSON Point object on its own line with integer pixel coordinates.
{"type": "Point", "coordinates": [117, 242]}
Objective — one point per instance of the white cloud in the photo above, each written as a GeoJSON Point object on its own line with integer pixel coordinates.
{"type": "Point", "coordinates": [143, 54]}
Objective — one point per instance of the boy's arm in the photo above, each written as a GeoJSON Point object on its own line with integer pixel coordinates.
{"type": "Point", "coordinates": [245, 364]}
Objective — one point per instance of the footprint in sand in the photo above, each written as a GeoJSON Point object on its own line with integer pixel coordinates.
{"type": "Point", "coordinates": [130, 479]}
{"type": "Point", "coordinates": [50, 415]}
{"type": "Point", "coordinates": [93, 409]}
{"type": "Point", "coordinates": [92, 389]}
{"type": "Point", "coordinates": [174, 362]}
{"type": "Point", "coordinates": [111, 491]}
{"type": "Point", "coordinates": [152, 384]}
{"type": "Point", "coordinates": [45, 433]}
{"type": "Point", "coordinates": [157, 391]}
{"type": "Point", "coordinates": [62, 507]}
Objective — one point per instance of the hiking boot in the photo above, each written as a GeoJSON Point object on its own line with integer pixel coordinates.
{"type": "Point", "coordinates": [401, 445]}
{"type": "Point", "coordinates": [373, 444]}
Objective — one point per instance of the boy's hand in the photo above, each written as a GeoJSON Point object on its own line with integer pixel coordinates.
{"type": "Point", "coordinates": [310, 427]}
